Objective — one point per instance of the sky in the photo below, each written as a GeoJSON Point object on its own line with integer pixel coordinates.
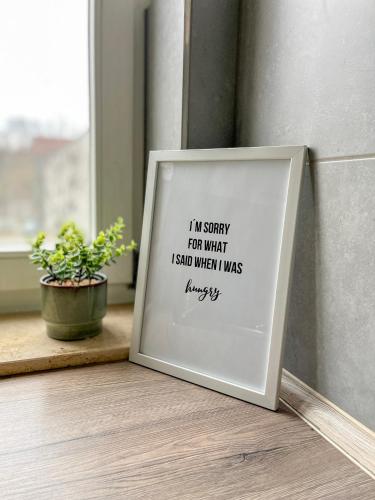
{"type": "Point", "coordinates": [44, 61]}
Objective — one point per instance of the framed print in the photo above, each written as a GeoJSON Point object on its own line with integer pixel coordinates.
{"type": "Point", "coordinates": [214, 269]}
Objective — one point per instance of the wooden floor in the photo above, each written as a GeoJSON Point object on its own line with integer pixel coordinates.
{"type": "Point", "coordinates": [125, 432]}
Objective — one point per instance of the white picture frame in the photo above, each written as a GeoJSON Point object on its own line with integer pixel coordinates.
{"type": "Point", "coordinates": [230, 353]}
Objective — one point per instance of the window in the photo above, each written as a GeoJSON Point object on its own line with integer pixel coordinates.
{"type": "Point", "coordinates": [71, 145]}
{"type": "Point", "coordinates": [44, 118]}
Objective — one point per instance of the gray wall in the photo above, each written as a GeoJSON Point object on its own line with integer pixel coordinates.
{"type": "Point", "coordinates": [307, 76]}
{"type": "Point", "coordinates": [204, 102]}
{"type": "Point", "coordinates": [164, 73]}
{"type": "Point", "coordinates": [212, 73]}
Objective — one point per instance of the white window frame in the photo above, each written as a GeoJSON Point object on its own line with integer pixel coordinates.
{"type": "Point", "coordinates": [116, 38]}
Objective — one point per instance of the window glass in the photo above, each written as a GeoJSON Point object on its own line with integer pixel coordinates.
{"type": "Point", "coordinates": [44, 118]}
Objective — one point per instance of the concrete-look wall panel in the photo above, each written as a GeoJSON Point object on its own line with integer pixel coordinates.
{"type": "Point", "coordinates": [164, 74]}
{"type": "Point", "coordinates": [213, 73]}
{"type": "Point", "coordinates": [330, 340]}
{"type": "Point", "coordinates": [307, 75]}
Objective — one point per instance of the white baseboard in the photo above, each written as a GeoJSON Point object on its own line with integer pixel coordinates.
{"type": "Point", "coordinates": [352, 438]}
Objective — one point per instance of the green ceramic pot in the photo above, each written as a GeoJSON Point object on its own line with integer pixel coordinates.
{"type": "Point", "coordinates": [74, 312]}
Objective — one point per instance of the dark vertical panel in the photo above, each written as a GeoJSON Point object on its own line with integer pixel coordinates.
{"type": "Point", "coordinates": [213, 70]}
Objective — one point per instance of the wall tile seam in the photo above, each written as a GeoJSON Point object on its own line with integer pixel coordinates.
{"type": "Point", "coordinates": [341, 159]}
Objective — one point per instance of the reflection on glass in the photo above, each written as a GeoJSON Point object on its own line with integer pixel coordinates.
{"type": "Point", "coordinates": [44, 118]}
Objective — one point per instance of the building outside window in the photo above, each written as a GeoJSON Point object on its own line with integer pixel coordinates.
{"type": "Point", "coordinates": [44, 118]}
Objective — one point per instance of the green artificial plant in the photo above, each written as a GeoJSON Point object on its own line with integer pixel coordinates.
{"type": "Point", "coordinates": [73, 259]}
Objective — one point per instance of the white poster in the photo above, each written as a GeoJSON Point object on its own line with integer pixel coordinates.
{"type": "Point", "coordinates": [213, 266]}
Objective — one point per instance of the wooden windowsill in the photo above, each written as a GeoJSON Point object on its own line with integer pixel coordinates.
{"type": "Point", "coordinates": [25, 347]}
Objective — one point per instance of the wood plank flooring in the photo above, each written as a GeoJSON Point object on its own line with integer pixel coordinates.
{"type": "Point", "coordinates": [125, 432]}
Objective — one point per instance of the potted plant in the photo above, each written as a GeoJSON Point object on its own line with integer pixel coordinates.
{"type": "Point", "coordinates": [74, 291]}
